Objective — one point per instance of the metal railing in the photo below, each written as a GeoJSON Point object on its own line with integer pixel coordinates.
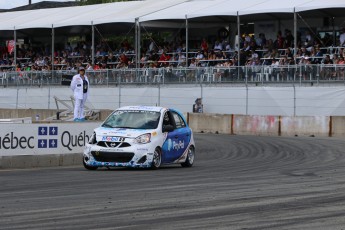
{"type": "Point", "coordinates": [259, 74]}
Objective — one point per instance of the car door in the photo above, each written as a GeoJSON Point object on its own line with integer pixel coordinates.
{"type": "Point", "coordinates": [177, 140]}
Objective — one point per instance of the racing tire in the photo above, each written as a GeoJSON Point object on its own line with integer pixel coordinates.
{"type": "Point", "coordinates": [157, 159]}
{"type": "Point", "coordinates": [190, 157]}
{"type": "Point", "coordinates": [88, 167]}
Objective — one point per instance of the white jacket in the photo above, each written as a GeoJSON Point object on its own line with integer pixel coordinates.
{"type": "Point", "coordinates": [77, 86]}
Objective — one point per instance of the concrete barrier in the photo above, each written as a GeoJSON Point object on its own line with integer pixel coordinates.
{"type": "Point", "coordinates": [256, 125]}
{"type": "Point", "coordinates": [210, 123]}
{"type": "Point", "coordinates": [35, 161]}
{"type": "Point", "coordinates": [337, 126]}
{"type": "Point", "coordinates": [305, 126]}
{"type": "Point", "coordinates": [18, 113]}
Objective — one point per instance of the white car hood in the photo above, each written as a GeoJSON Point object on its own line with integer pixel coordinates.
{"type": "Point", "coordinates": [120, 132]}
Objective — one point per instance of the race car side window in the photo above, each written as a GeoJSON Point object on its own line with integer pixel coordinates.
{"type": "Point", "coordinates": [167, 120]}
{"type": "Point", "coordinates": [178, 120]}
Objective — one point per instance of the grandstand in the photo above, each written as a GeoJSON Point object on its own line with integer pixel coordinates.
{"type": "Point", "coordinates": [150, 43]}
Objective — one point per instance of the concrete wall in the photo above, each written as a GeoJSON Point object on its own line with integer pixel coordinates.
{"type": "Point", "coordinates": [256, 125]}
{"type": "Point", "coordinates": [322, 126]}
{"type": "Point", "coordinates": [337, 127]}
{"type": "Point", "coordinates": [210, 123]}
{"type": "Point", "coordinates": [305, 126]}
{"type": "Point", "coordinates": [43, 113]}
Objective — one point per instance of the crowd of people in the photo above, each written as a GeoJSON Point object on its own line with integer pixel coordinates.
{"type": "Point", "coordinates": [254, 51]}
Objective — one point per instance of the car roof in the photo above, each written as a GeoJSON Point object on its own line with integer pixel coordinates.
{"type": "Point", "coordinates": [143, 107]}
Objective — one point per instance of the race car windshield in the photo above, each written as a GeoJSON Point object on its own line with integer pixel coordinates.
{"type": "Point", "coordinates": [133, 119]}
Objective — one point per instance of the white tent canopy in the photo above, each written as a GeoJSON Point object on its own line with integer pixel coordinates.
{"type": "Point", "coordinates": [82, 15]}
{"type": "Point", "coordinates": [153, 10]}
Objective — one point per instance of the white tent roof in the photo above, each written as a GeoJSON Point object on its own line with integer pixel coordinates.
{"type": "Point", "coordinates": [225, 8]}
{"type": "Point", "coordinates": [150, 10]}
{"type": "Point", "coordinates": [182, 10]}
{"type": "Point", "coordinates": [82, 15]}
{"type": "Point", "coordinates": [320, 4]}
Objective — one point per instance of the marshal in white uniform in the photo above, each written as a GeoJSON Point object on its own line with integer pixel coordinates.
{"type": "Point", "coordinates": [80, 87]}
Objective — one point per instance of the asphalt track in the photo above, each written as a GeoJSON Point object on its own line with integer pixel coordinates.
{"type": "Point", "coordinates": [237, 182]}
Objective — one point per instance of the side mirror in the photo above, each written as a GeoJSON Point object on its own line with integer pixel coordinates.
{"type": "Point", "coordinates": [168, 128]}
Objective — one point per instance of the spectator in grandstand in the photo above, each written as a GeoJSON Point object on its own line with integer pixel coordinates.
{"type": "Point", "coordinates": [164, 59]}
{"type": "Point", "coordinates": [327, 70]}
{"type": "Point", "coordinates": [342, 38]}
{"type": "Point", "coordinates": [191, 73]}
{"type": "Point", "coordinates": [181, 59]}
{"type": "Point", "coordinates": [260, 41]}
{"type": "Point", "coordinates": [204, 45]}
{"type": "Point", "coordinates": [123, 61]}
{"type": "Point", "coordinates": [279, 42]}
{"type": "Point", "coordinates": [226, 46]}
{"type": "Point", "coordinates": [306, 68]}
{"type": "Point", "coordinates": [309, 40]}
{"type": "Point", "coordinates": [341, 68]}
{"type": "Point", "coordinates": [80, 88]}
{"type": "Point", "coordinates": [199, 55]}
{"type": "Point", "coordinates": [304, 51]}
{"type": "Point", "coordinates": [289, 39]}
{"type": "Point", "coordinates": [218, 45]}
{"type": "Point", "coordinates": [211, 58]}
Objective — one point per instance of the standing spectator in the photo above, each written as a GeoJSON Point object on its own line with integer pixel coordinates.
{"type": "Point", "coordinates": [279, 42]}
{"type": "Point", "coordinates": [289, 39]}
{"type": "Point", "coordinates": [309, 41]}
{"type": "Point", "coordinates": [342, 38]}
{"type": "Point", "coordinates": [80, 88]}
{"type": "Point", "coordinates": [204, 45]}
{"type": "Point", "coordinates": [198, 107]}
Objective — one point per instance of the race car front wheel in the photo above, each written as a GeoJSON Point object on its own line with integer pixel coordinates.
{"type": "Point", "coordinates": [157, 159]}
{"type": "Point", "coordinates": [88, 167]}
{"type": "Point", "coordinates": [190, 157]}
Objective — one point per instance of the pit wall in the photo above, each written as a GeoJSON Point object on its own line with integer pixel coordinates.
{"type": "Point", "coordinates": [322, 126]}
{"type": "Point", "coordinates": [42, 113]}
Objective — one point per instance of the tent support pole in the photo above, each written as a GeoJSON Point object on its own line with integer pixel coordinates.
{"type": "Point", "coordinates": [137, 43]}
{"type": "Point", "coordinates": [238, 45]}
{"type": "Point", "coordinates": [187, 48]}
{"type": "Point", "coordinates": [93, 45]}
{"type": "Point", "coordinates": [295, 30]}
{"type": "Point", "coordinates": [53, 44]}
{"type": "Point", "coordinates": [15, 48]}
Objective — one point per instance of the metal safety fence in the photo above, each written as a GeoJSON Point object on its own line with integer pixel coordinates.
{"type": "Point", "coordinates": [259, 74]}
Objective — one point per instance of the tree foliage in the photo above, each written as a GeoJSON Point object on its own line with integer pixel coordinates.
{"type": "Point", "coordinates": [92, 2]}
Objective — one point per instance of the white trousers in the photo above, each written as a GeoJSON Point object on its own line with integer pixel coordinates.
{"type": "Point", "coordinates": [79, 107]}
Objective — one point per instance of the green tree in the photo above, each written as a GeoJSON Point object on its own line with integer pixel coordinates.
{"type": "Point", "coordinates": [92, 2]}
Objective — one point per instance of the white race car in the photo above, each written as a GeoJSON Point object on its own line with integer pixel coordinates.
{"type": "Point", "coordinates": [141, 136]}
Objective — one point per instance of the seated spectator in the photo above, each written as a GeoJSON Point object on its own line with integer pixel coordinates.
{"type": "Point", "coordinates": [164, 59]}
{"type": "Point", "coordinates": [218, 46]}
{"type": "Point", "coordinates": [199, 56]}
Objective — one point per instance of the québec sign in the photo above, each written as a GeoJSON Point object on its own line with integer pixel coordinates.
{"type": "Point", "coordinates": [30, 139]}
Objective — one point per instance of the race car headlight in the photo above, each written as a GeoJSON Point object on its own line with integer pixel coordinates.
{"type": "Point", "coordinates": [93, 139]}
{"type": "Point", "coordinates": [143, 139]}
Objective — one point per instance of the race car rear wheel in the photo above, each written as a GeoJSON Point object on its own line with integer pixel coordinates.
{"type": "Point", "coordinates": [88, 167]}
{"type": "Point", "coordinates": [190, 157]}
{"type": "Point", "coordinates": [157, 159]}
